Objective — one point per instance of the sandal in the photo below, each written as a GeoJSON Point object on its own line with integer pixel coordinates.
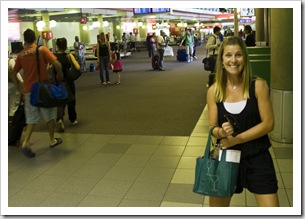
{"type": "Point", "coordinates": [58, 142]}
{"type": "Point", "coordinates": [27, 152]}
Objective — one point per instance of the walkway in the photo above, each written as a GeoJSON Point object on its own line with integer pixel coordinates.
{"type": "Point", "coordinates": [113, 170]}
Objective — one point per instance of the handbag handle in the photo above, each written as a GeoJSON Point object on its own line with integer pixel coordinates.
{"type": "Point", "coordinates": [208, 145]}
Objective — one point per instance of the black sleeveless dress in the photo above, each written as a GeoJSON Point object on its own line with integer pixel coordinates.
{"type": "Point", "coordinates": [256, 170]}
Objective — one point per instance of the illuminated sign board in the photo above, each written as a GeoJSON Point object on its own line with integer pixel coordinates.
{"type": "Point", "coordinates": [247, 12]}
{"type": "Point", "coordinates": [141, 10]}
{"type": "Point", "coordinates": [150, 10]}
{"type": "Point", "coordinates": [245, 21]}
{"type": "Point", "coordinates": [160, 10]}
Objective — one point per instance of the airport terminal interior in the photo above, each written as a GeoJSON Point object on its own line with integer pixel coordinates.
{"type": "Point", "coordinates": [135, 144]}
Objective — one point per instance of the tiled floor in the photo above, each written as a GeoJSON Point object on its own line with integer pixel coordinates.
{"type": "Point", "coordinates": [91, 170]}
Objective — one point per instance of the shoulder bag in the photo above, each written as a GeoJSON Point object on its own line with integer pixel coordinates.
{"type": "Point", "coordinates": [51, 93]}
{"type": "Point", "coordinates": [209, 62]}
{"type": "Point", "coordinates": [215, 177]}
{"type": "Point", "coordinates": [72, 73]}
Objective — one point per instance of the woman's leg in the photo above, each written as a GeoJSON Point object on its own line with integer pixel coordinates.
{"type": "Point", "coordinates": [267, 200]}
{"type": "Point", "coordinates": [118, 77]}
{"type": "Point", "coordinates": [71, 106]}
{"type": "Point", "coordinates": [102, 67]}
{"type": "Point", "coordinates": [60, 118]}
{"type": "Point", "coordinates": [219, 202]}
{"type": "Point", "coordinates": [106, 63]}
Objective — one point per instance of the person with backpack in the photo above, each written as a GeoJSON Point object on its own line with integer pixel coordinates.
{"type": "Point", "coordinates": [26, 60]}
{"type": "Point", "coordinates": [63, 58]}
{"type": "Point", "coordinates": [212, 46]}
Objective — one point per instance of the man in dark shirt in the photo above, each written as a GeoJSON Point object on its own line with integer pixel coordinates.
{"type": "Point", "coordinates": [250, 36]}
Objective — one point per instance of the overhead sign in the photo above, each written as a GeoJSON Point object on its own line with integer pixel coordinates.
{"type": "Point", "coordinates": [225, 16]}
{"type": "Point", "coordinates": [245, 21]}
{"type": "Point", "coordinates": [150, 10]}
{"type": "Point", "coordinates": [247, 12]}
{"type": "Point", "coordinates": [47, 35]}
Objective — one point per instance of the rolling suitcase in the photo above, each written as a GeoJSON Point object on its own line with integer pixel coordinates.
{"type": "Point", "coordinates": [181, 55]}
{"type": "Point", "coordinates": [16, 125]}
{"type": "Point", "coordinates": [155, 62]}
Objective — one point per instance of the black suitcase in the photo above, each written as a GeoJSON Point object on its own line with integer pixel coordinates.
{"type": "Point", "coordinates": [155, 62]}
{"type": "Point", "coordinates": [181, 55]}
{"type": "Point", "coordinates": [16, 124]}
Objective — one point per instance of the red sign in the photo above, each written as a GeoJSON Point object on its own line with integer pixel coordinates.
{"type": "Point", "coordinates": [225, 16]}
{"type": "Point", "coordinates": [47, 35]}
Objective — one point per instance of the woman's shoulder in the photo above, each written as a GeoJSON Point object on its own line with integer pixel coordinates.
{"type": "Point", "coordinates": [259, 81]}
{"type": "Point", "coordinates": [260, 85]}
{"type": "Point", "coordinates": [211, 90]}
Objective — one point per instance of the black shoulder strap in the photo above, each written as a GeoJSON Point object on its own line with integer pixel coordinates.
{"type": "Point", "coordinates": [214, 43]}
{"type": "Point", "coordinates": [214, 38]}
{"type": "Point", "coordinates": [38, 61]}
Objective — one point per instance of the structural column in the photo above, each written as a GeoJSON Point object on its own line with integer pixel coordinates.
{"type": "Point", "coordinates": [281, 81]}
{"type": "Point", "coordinates": [259, 30]}
{"type": "Point", "coordinates": [84, 34]}
{"type": "Point", "coordinates": [117, 31]}
{"type": "Point", "coordinates": [46, 18]}
{"type": "Point", "coordinates": [101, 27]}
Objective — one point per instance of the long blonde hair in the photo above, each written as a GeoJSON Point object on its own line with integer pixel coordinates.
{"type": "Point", "coordinates": [221, 75]}
{"type": "Point", "coordinates": [102, 38]}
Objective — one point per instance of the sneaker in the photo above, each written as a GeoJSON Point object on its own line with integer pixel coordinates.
{"type": "Point", "coordinates": [27, 152]}
{"type": "Point", "coordinates": [195, 57]}
{"type": "Point", "coordinates": [188, 61]}
{"type": "Point", "coordinates": [117, 83]}
{"type": "Point", "coordinates": [103, 83]}
{"type": "Point", "coordinates": [108, 82]}
{"type": "Point", "coordinates": [60, 126]}
{"type": "Point", "coordinates": [74, 123]}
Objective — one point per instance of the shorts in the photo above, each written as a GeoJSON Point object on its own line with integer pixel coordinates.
{"type": "Point", "coordinates": [257, 174]}
{"type": "Point", "coordinates": [32, 113]}
{"type": "Point", "coordinates": [189, 49]}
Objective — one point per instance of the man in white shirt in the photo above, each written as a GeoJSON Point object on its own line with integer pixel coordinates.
{"type": "Point", "coordinates": [132, 42]}
{"type": "Point", "coordinates": [161, 44]}
{"type": "Point", "coordinates": [79, 48]}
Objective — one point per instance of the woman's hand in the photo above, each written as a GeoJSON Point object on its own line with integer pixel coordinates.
{"type": "Point", "coordinates": [228, 142]}
{"type": "Point", "coordinates": [227, 128]}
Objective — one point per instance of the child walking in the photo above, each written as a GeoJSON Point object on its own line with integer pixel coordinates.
{"type": "Point", "coordinates": [117, 64]}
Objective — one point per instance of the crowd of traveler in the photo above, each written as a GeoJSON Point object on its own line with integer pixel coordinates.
{"type": "Point", "coordinates": [108, 59]}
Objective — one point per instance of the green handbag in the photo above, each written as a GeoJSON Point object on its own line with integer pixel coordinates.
{"type": "Point", "coordinates": [214, 177]}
